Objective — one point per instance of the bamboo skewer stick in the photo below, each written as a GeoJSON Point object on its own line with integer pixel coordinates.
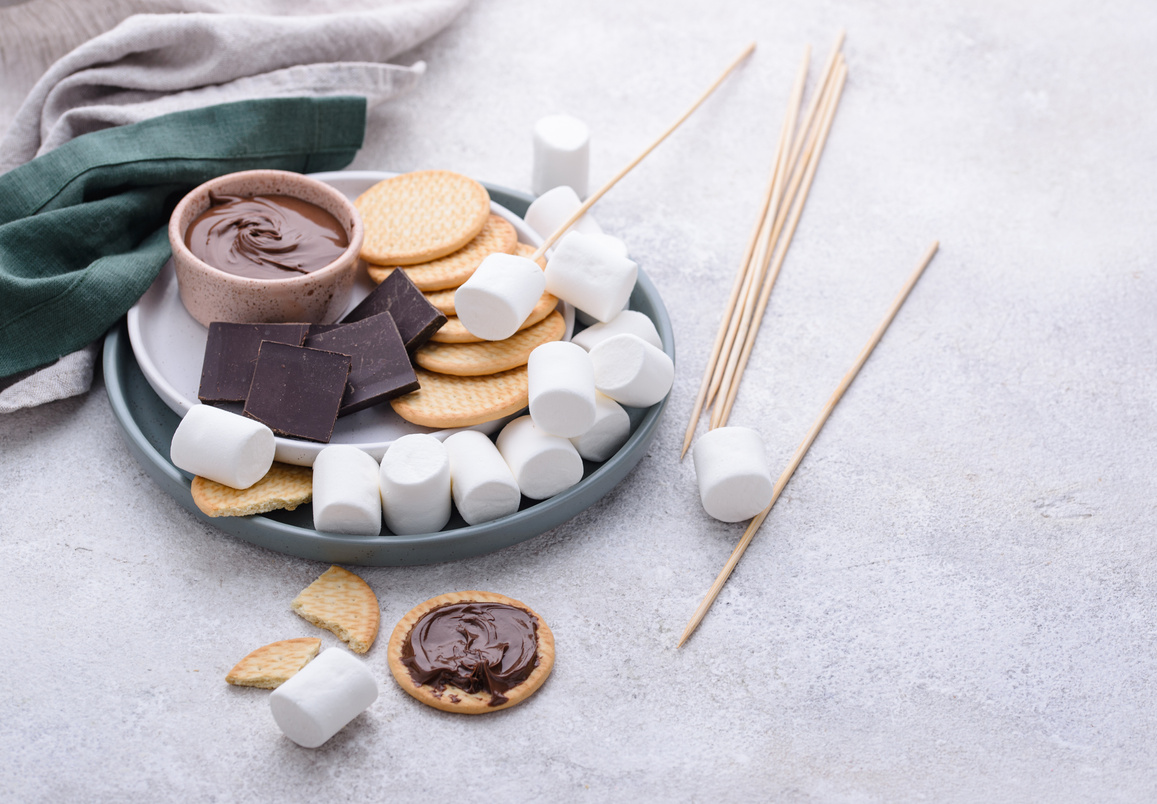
{"type": "Point", "coordinates": [766, 209]}
{"type": "Point", "coordinates": [757, 263]}
{"type": "Point", "coordinates": [794, 463]}
{"type": "Point", "coordinates": [723, 411]}
{"type": "Point", "coordinates": [726, 353]}
{"type": "Point", "coordinates": [749, 326]}
{"type": "Point", "coordinates": [813, 107]}
{"type": "Point", "coordinates": [590, 202]}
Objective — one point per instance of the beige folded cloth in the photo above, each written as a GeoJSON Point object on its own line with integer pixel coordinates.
{"type": "Point", "coordinates": [59, 83]}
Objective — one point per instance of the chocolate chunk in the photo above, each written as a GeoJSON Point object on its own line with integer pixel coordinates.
{"type": "Point", "coordinates": [381, 367]}
{"type": "Point", "coordinates": [231, 352]}
{"type": "Point", "coordinates": [297, 391]}
{"type": "Point", "coordinates": [319, 329]}
{"type": "Point", "coordinates": [416, 318]}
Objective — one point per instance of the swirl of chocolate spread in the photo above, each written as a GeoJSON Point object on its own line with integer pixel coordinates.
{"type": "Point", "coordinates": [265, 236]}
{"type": "Point", "coordinates": [475, 647]}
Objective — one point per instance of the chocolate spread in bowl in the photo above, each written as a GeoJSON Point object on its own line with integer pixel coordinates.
{"type": "Point", "coordinates": [476, 647]}
{"type": "Point", "coordinates": [265, 236]}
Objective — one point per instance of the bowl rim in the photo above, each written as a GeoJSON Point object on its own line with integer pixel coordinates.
{"type": "Point", "coordinates": [342, 262]}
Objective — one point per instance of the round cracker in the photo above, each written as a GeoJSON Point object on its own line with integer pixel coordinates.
{"type": "Point", "coordinates": [420, 216]}
{"type": "Point", "coordinates": [454, 331]}
{"type": "Point", "coordinates": [443, 300]}
{"type": "Point", "coordinates": [468, 703]}
{"type": "Point", "coordinates": [490, 357]}
{"type": "Point", "coordinates": [528, 251]}
{"type": "Point", "coordinates": [498, 236]}
{"type": "Point", "coordinates": [443, 400]}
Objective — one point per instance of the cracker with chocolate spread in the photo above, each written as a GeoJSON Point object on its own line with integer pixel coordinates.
{"type": "Point", "coordinates": [471, 652]}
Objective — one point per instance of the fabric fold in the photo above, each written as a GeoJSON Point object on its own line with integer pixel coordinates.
{"type": "Point", "coordinates": [83, 228]}
{"type": "Point", "coordinates": [150, 56]}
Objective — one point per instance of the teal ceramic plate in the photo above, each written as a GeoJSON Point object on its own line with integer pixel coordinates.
{"type": "Point", "coordinates": [147, 425]}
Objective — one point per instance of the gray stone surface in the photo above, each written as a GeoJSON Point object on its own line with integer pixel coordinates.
{"type": "Point", "coordinates": [953, 600]}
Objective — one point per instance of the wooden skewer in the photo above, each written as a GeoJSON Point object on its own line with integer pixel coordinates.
{"type": "Point", "coordinates": [721, 355]}
{"type": "Point", "coordinates": [590, 202]}
{"type": "Point", "coordinates": [723, 411]}
{"type": "Point", "coordinates": [757, 263]}
{"type": "Point", "coordinates": [749, 534]}
{"type": "Point", "coordinates": [766, 210]}
{"type": "Point", "coordinates": [829, 71]}
{"type": "Point", "coordinates": [797, 198]}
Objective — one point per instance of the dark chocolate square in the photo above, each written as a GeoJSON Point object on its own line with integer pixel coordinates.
{"type": "Point", "coordinates": [297, 391]}
{"type": "Point", "coordinates": [231, 352]}
{"type": "Point", "coordinates": [381, 366]}
{"type": "Point", "coordinates": [397, 295]}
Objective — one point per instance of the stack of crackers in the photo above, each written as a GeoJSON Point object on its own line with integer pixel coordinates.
{"type": "Point", "coordinates": [437, 227]}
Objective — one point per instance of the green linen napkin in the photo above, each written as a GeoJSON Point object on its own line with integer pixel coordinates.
{"type": "Point", "coordinates": [83, 227]}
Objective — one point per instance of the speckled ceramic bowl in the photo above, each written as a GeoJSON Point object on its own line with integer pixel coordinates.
{"type": "Point", "coordinates": [210, 294]}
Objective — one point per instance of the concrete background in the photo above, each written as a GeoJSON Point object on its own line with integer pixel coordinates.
{"type": "Point", "coordinates": [953, 600]}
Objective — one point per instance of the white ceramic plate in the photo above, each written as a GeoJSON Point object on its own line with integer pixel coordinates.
{"type": "Point", "coordinates": [169, 346]}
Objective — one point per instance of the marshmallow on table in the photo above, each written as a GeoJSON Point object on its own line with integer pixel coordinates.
{"type": "Point", "coordinates": [610, 431]}
{"type": "Point", "coordinates": [731, 469]}
{"type": "Point", "coordinates": [415, 484]}
{"type": "Point", "coordinates": [481, 483]}
{"type": "Point", "coordinates": [590, 275]}
{"type": "Point", "coordinates": [628, 321]}
{"type": "Point", "coordinates": [631, 371]}
{"type": "Point", "coordinates": [561, 388]}
{"type": "Point", "coordinates": [346, 497]}
{"type": "Point", "coordinates": [494, 302]}
{"type": "Point", "coordinates": [232, 450]}
{"type": "Point", "coordinates": [543, 464]}
{"type": "Point", "coordinates": [561, 154]}
{"type": "Point", "coordinates": [322, 697]}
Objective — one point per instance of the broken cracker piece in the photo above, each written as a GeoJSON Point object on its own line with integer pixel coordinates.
{"type": "Point", "coordinates": [271, 666]}
{"type": "Point", "coordinates": [343, 603]}
{"type": "Point", "coordinates": [284, 486]}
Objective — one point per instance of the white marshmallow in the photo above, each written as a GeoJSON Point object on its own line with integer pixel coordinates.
{"type": "Point", "coordinates": [322, 697]}
{"type": "Point", "coordinates": [222, 446]}
{"type": "Point", "coordinates": [346, 497]}
{"type": "Point", "coordinates": [415, 484]}
{"type": "Point", "coordinates": [553, 208]}
{"type": "Point", "coordinates": [618, 245]}
{"type": "Point", "coordinates": [588, 274]}
{"type": "Point", "coordinates": [611, 243]}
{"type": "Point", "coordinates": [543, 464]}
{"type": "Point", "coordinates": [731, 468]}
{"type": "Point", "coordinates": [498, 297]}
{"type": "Point", "coordinates": [561, 154]}
{"type": "Point", "coordinates": [586, 319]}
{"type": "Point", "coordinates": [631, 371]}
{"type": "Point", "coordinates": [610, 431]}
{"type": "Point", "coordinates": [481, 483]}
{"type": "Point", "coordinates": [561, 388]}
{"type": "Point", "coordinates": [635, 323]}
